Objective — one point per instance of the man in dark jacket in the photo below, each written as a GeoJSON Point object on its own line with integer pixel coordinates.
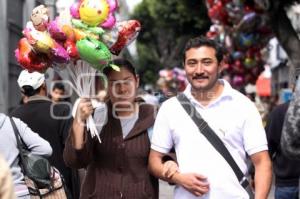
{"type": "Point", "coordinates": [287, 171]}
{"type": "Point", "coordinates": [51, 121]}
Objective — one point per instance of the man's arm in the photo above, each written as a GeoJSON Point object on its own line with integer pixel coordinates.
{"type": "Point", "coordinates": [194, 183]}
{"type": "Point", "coordinates": [263, 174]}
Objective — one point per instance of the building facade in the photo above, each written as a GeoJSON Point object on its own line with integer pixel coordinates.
{"type": "Point", "coordinates": [13, 16]}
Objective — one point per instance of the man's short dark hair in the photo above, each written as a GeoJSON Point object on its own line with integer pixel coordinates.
{"type": "Point", "coordinates": [29, 90]}
{"type": "Point", "coordinates": [59, 86]}
{"type": "Point", "coordinates": [122, 63]}
{"type": "Point", "coordinates": [203, 41]}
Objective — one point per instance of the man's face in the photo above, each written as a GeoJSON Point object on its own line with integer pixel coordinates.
{"type": "Point", "coordinates": [202, 68]}
{"type": "Point", "coordinates": [57, 94]}
{"type": "Point", "coordinates": [122, 87]}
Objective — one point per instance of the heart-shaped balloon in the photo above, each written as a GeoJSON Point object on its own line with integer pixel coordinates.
{"type": "Point", "coordinates": [127, 32]}
{"type": "Point", "coordinates": [28, 59]}
{"type": "Point", "coordinates": [94, 52]}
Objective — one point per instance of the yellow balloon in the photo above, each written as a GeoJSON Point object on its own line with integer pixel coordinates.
{"type": "Point", "coordinates": [42, 41]}
{"type": "Point", "coordinates": [94, 12]}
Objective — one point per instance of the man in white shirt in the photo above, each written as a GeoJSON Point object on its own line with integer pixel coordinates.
{"type": "Point", "coordinates": [203, 172]}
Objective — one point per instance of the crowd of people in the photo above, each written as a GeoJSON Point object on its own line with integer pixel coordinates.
{"type": "Point", "coordinates": [145, 138]}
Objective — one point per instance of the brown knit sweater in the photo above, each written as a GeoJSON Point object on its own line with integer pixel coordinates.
{"type": "Point", "coordinates": [117, 167]}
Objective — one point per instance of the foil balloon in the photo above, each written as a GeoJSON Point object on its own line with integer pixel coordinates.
{"type": "Point", "coordinates": [59, 54]}
{"type": "Point", "coordinates": [127, 32]}
{"type": "Point", "coordinates": [238, 80]}
{"type": "Point", "coordinates": [41, 41]}
{"type": "Point", "coordinates": [28, 59]}
{"type": "Point", "coordinates": [263, 4]}
{"type": "Point", "coordinates": [56, 31]}
{"type": "Point", "coordinates": [249, 62]}
{"type": "Point", "coordinates": [94, 30]}
{"type": "Point", "coordinates": [93, 12]}
{"type": "Point", "coordinates": [246, 40]}
{"type": "Point", "coordinates": [40, 18]}
{"type": "Point", "coordinates": [69, 32]}
{"type": "Point", "coordinates": [71, 49]}
{"type": "Point", "coordinates": [113, 5]}
{"type": "Point", "coordinates": [74, 10]}
{"type": "Point", "coordinates": [237, 55]}
{"type": "Point", "coordinates": [109, 22]}
{"type": "Point", "coordinates": [93, 51]}
{"type": "Point", "coordinates": [81, 34]}
{"type": "Point", "coordinates": [249, 22]}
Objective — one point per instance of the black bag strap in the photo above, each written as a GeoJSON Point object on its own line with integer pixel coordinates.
{"type": "Point", "coordinates": [19, 144]}
{"type": "Point", "coordinates": [212, 137]}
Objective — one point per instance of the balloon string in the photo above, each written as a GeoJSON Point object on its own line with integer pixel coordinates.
{"type": "Point", "coordinates": [83, 81]}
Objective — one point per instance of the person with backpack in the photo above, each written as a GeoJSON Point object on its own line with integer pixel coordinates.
{"type": "Point", "coordinates": [50, 120]}
{"type": "Point", "coordinates": [10, 151]}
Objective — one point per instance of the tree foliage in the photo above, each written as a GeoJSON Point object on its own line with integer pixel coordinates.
{"type": "Point", "coordinates": [166, 26]}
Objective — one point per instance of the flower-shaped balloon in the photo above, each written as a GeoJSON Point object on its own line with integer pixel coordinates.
{"type": "Point", "coordinates": [111, 20]}
{"type": "Point", "coordinates": [93, 12]}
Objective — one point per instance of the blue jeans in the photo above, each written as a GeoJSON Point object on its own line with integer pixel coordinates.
{"type": "Point", "coordinates": [287, 192]}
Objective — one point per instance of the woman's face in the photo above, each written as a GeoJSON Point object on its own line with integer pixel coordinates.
{"type": "Point", "coordinates": [122, 87]}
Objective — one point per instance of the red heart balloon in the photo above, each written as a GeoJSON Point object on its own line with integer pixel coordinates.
{"type": "Point", "coordinates": [128, 31]}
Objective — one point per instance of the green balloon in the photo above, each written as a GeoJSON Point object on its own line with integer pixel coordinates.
{"type": "Point", "coordinates": [93, 51]}
{"type": "Point", "coordinates": [79, 24]}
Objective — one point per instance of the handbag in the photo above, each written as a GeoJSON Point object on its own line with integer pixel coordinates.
{"type": "Point", "coordinates": [42, 179]}
{"type": "Point", "coordinates": [214, 139]}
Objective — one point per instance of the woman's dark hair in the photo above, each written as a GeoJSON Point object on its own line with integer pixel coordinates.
{"type": "Point", "coordinates": [198, 42]}
{"type": "Point", "coordinates": [122, 63]}
{"type": "Point", "coordinates": [29, 91]}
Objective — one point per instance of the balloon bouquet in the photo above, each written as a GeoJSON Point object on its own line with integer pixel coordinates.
{"type": "Point", "coordinates": [174, 79]}
{"type": "Point", "coordinates": [81, 41]}
{"type": "Point", "coordinates": [242, 27]}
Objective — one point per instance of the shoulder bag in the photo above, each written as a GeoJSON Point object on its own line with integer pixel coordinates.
{"type": "Point", "coordinates": [42, 180]}
{"type": "Point", "coordinates": [213, 138]}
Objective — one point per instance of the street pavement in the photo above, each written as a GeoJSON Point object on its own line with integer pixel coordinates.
{"type": "Point", "coordinates": [166, 191]}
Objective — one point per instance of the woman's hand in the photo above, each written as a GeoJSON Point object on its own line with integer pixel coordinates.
{"type": "Point", "coordinates": [170, 168]}
{"type": "Point", "coordinates": [84, 110]}
{"type": "Point", "coordinates": [195, 183]}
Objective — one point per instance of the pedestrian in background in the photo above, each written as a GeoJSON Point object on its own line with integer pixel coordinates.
{"type": "Point", "coordinates": [51, 121]}
{"type": "Point", "coordinates": [10, 150]}
{"type": "Point", "coordinates": [286, 169]}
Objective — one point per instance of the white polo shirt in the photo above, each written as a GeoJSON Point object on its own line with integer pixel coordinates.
{"type": "Point", "coordinates": [236, 121]}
